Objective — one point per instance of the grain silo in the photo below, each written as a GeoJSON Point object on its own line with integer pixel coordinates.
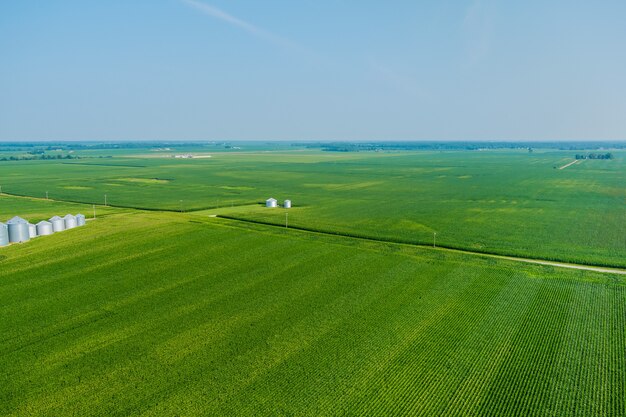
{"type": "Point", "coordinates": [271, 202]}
{"type": "Point", "coordinates": [287, 204]}
{"type": "Point", "coordinates": [18, 230]}
{"type": "Point", "coordinates": [80, 219]}
{"type": "Point", "coordinates": [70, 221]}
{"type": "Point", "coordinates": [32, 230]}
{"type": "Point", "coordinates": [44, 228]}
{"type": "Point", "coordinates": [58, 225]}
{"type": "Point", "coordinates": [4, 234]}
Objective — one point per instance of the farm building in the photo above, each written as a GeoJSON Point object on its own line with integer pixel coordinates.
{"type": "Point", "coordinates": [271, 202]}
{"type": "Point", "coordinates": [58, 225]}
{"type": "Point", "coordinates": [18, 230]}
{"type": "Point", "coordinates": [287, 204]}
{"type": "Point", "coordinates": [4, 234]}
{"type": "Point", "coordinates": [32, 230]}
{"type": "Point", "coordinates": [44, 228]}
{"type": "Point", "coordinates": [70, 221]}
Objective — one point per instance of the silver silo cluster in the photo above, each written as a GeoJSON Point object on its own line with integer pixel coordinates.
{"type": "Point", "coordinates": [272, 203]}
{"type": "Point", "coordinates": [18, 230]}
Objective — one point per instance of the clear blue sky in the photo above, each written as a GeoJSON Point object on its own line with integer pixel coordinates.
{"type": "Point", "coordinates": [312, 69]}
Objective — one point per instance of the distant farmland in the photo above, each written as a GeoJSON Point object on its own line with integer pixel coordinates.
{"type": "Point", "coordinates": [506, 202]}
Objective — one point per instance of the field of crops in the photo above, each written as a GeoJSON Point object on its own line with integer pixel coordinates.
{"type": "Point", "coordinates": [35, 210]}
{"type": "Point", "coordinates": [180, 314]}
{"type": "Point", "coordinates": [507, 202]}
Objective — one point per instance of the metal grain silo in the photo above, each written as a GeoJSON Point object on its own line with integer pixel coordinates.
{"type": "Point", "coordinates": [18, 230]}
{"type": "Point", "coordinates": [4, 234]}
{"type": "Point", "coordinates": [58, 225]}
{"type": "Point", "coordinates": [80, 219]}
{"type": "Point", "coordinates": [287, 204]}
{"type": "Point", "coordinates": [44, 228]}
{"type": "Point", "coordinates": [70, 221]}
{"type": "Point", "coordinates": [271, 202]}
{"type": "Point", "coordinates": [32, 230]}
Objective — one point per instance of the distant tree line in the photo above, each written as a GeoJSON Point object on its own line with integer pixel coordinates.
{"type": "Point", "coordinates": [37, 157]}
{"type": "Point", "coordinates": [592, 155]}
{"type": "Point", "coordinates": [454, 145]}
{"type": "Point", "coordinates": [65, 146]}
{"type": "Point", "coordinates": [376, 146]}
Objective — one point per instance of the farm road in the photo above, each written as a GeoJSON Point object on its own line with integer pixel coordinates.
{"type": "Point", "coordinates": [571, 163]}
{"type": "Point", "coordinates": [548, 263]}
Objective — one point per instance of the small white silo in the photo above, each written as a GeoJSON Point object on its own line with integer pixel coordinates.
{"type": "Point", "coordinates": [271, 202]}
{"type": "Point", "coordinates": [4, 234]}
{"type": "Point", "coordinates": [44, 228]}
{"type": "Point", "coordinates": [18, 230]}
{"type": "Point", "coordinates": [70, 221]}
{"type": "Point", "coordinates": [287, 204]}
{"type": "Point", "coordinates": [80, 219]}
{"type": "Point", "coordinates": [32, 230]}
{"type": "Point", "coordinates": [58, 225]}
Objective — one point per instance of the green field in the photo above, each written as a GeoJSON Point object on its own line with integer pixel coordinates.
{"type": "Point", "coordinates": [35, 210]}
{"type": "Point", "coordinates": [500, 201]}
{"type": "Point", "coordinates": [155, 311]}
{"type": "Point", "coordinates": [170, 314]}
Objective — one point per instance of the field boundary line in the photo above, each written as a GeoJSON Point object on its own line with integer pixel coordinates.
{"type": "Point", "coordinates": [150, 209]}
{"type": "Point", "coordinates": [537, 261]}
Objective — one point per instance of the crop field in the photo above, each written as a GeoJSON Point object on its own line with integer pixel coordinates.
{"type": "Point", "coordinates": [152, 313]}
{"type": "Point", "coordinates": [157, 307]}
{"type": "Point", "coordinates": [35, 210]}
{"type": "Point", "coordinates": [500, 201]}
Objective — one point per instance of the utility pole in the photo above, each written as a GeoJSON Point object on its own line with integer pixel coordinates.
{"type": "Point", "coordinates": [286, 220]}
{"type": "Point", "coordinates": [434, 239]}
{"type": "Point", "coordinates": [105, 200]}
{"type": "Point", "coordinates": [94, 211]}
{"type": "Point", "coordinates": [46, 195]}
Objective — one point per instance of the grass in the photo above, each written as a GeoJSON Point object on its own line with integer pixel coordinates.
{"type": "Point", "coordinates": [180, 314]}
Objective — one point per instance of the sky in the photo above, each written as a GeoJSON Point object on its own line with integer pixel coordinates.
{"type": "Point", "coordinates": [312, 70]}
